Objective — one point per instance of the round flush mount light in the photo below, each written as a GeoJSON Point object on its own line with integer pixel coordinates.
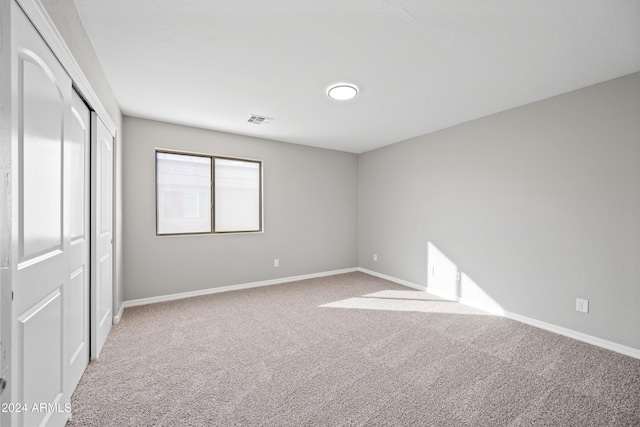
{"type": "Point", "coordinates": [342, 92]}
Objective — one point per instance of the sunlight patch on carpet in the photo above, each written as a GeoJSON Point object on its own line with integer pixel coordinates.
{"type": "Point", "coordinates": [395, 300]}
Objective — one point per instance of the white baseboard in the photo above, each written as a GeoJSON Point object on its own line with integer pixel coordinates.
{"type": "Point", "coordinates": [589, 339]}
{"type": "Point", "coordinates": [118, 317]}
{"type": "Point", "coordinates": [208, 291]}
{"type": "Point", "coordinates": [609, 345]}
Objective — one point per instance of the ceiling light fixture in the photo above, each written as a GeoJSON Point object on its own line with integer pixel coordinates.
{"type": "Point", "coordinates": [342, 92]}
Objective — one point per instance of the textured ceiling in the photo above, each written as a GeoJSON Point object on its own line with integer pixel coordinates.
{"type": "Point", "coordinates": [420, 65]}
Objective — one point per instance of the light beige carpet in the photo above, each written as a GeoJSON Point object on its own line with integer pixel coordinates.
{"type": "Point", "coordinates": [347, 350]}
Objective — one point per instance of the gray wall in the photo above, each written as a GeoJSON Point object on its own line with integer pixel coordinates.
{"type": "Point", "coordinates": [534, 206]}
{"type": "Point", "coordinates": [310, 214]}
{"type": "Point", "coordinates": [67, 21]}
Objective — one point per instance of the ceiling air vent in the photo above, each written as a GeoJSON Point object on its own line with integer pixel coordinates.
{"type": "Point", "coordinates": [259, 120]}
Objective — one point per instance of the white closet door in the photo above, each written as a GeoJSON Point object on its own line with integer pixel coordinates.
{"type": "Point", "coordinates": [41, 242]}
{"type": "Point", "coordinates": [102, 234]}
{"type": "Point", "coordinates": [78, 160]}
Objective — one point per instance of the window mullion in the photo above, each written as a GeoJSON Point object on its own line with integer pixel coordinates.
{"type": "Point", "coordinates": [213, 194]}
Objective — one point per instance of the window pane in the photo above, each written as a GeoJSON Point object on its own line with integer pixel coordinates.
{"type": "Point", "coordinates": [237, 195]}
{"type": "Point", "coordinates": [183, 193]}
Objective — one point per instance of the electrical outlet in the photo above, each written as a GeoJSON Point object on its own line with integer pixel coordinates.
{"type": "Point", "coordinates": [458, 277]}
{"type": "Point", "coordinates": [582, 305]}
{"type": "Point", "coordinates": [276, 263]}
{"type": "Point", "coordinates": [375, 257]}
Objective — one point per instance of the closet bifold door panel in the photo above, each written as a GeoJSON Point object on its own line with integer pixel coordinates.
{"type": "Point", "coordinates": [49, 229]}
{"type": "Point", "coordinates": [101, 234]}
{"type": "Point", "coordinates": [78, 161]}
